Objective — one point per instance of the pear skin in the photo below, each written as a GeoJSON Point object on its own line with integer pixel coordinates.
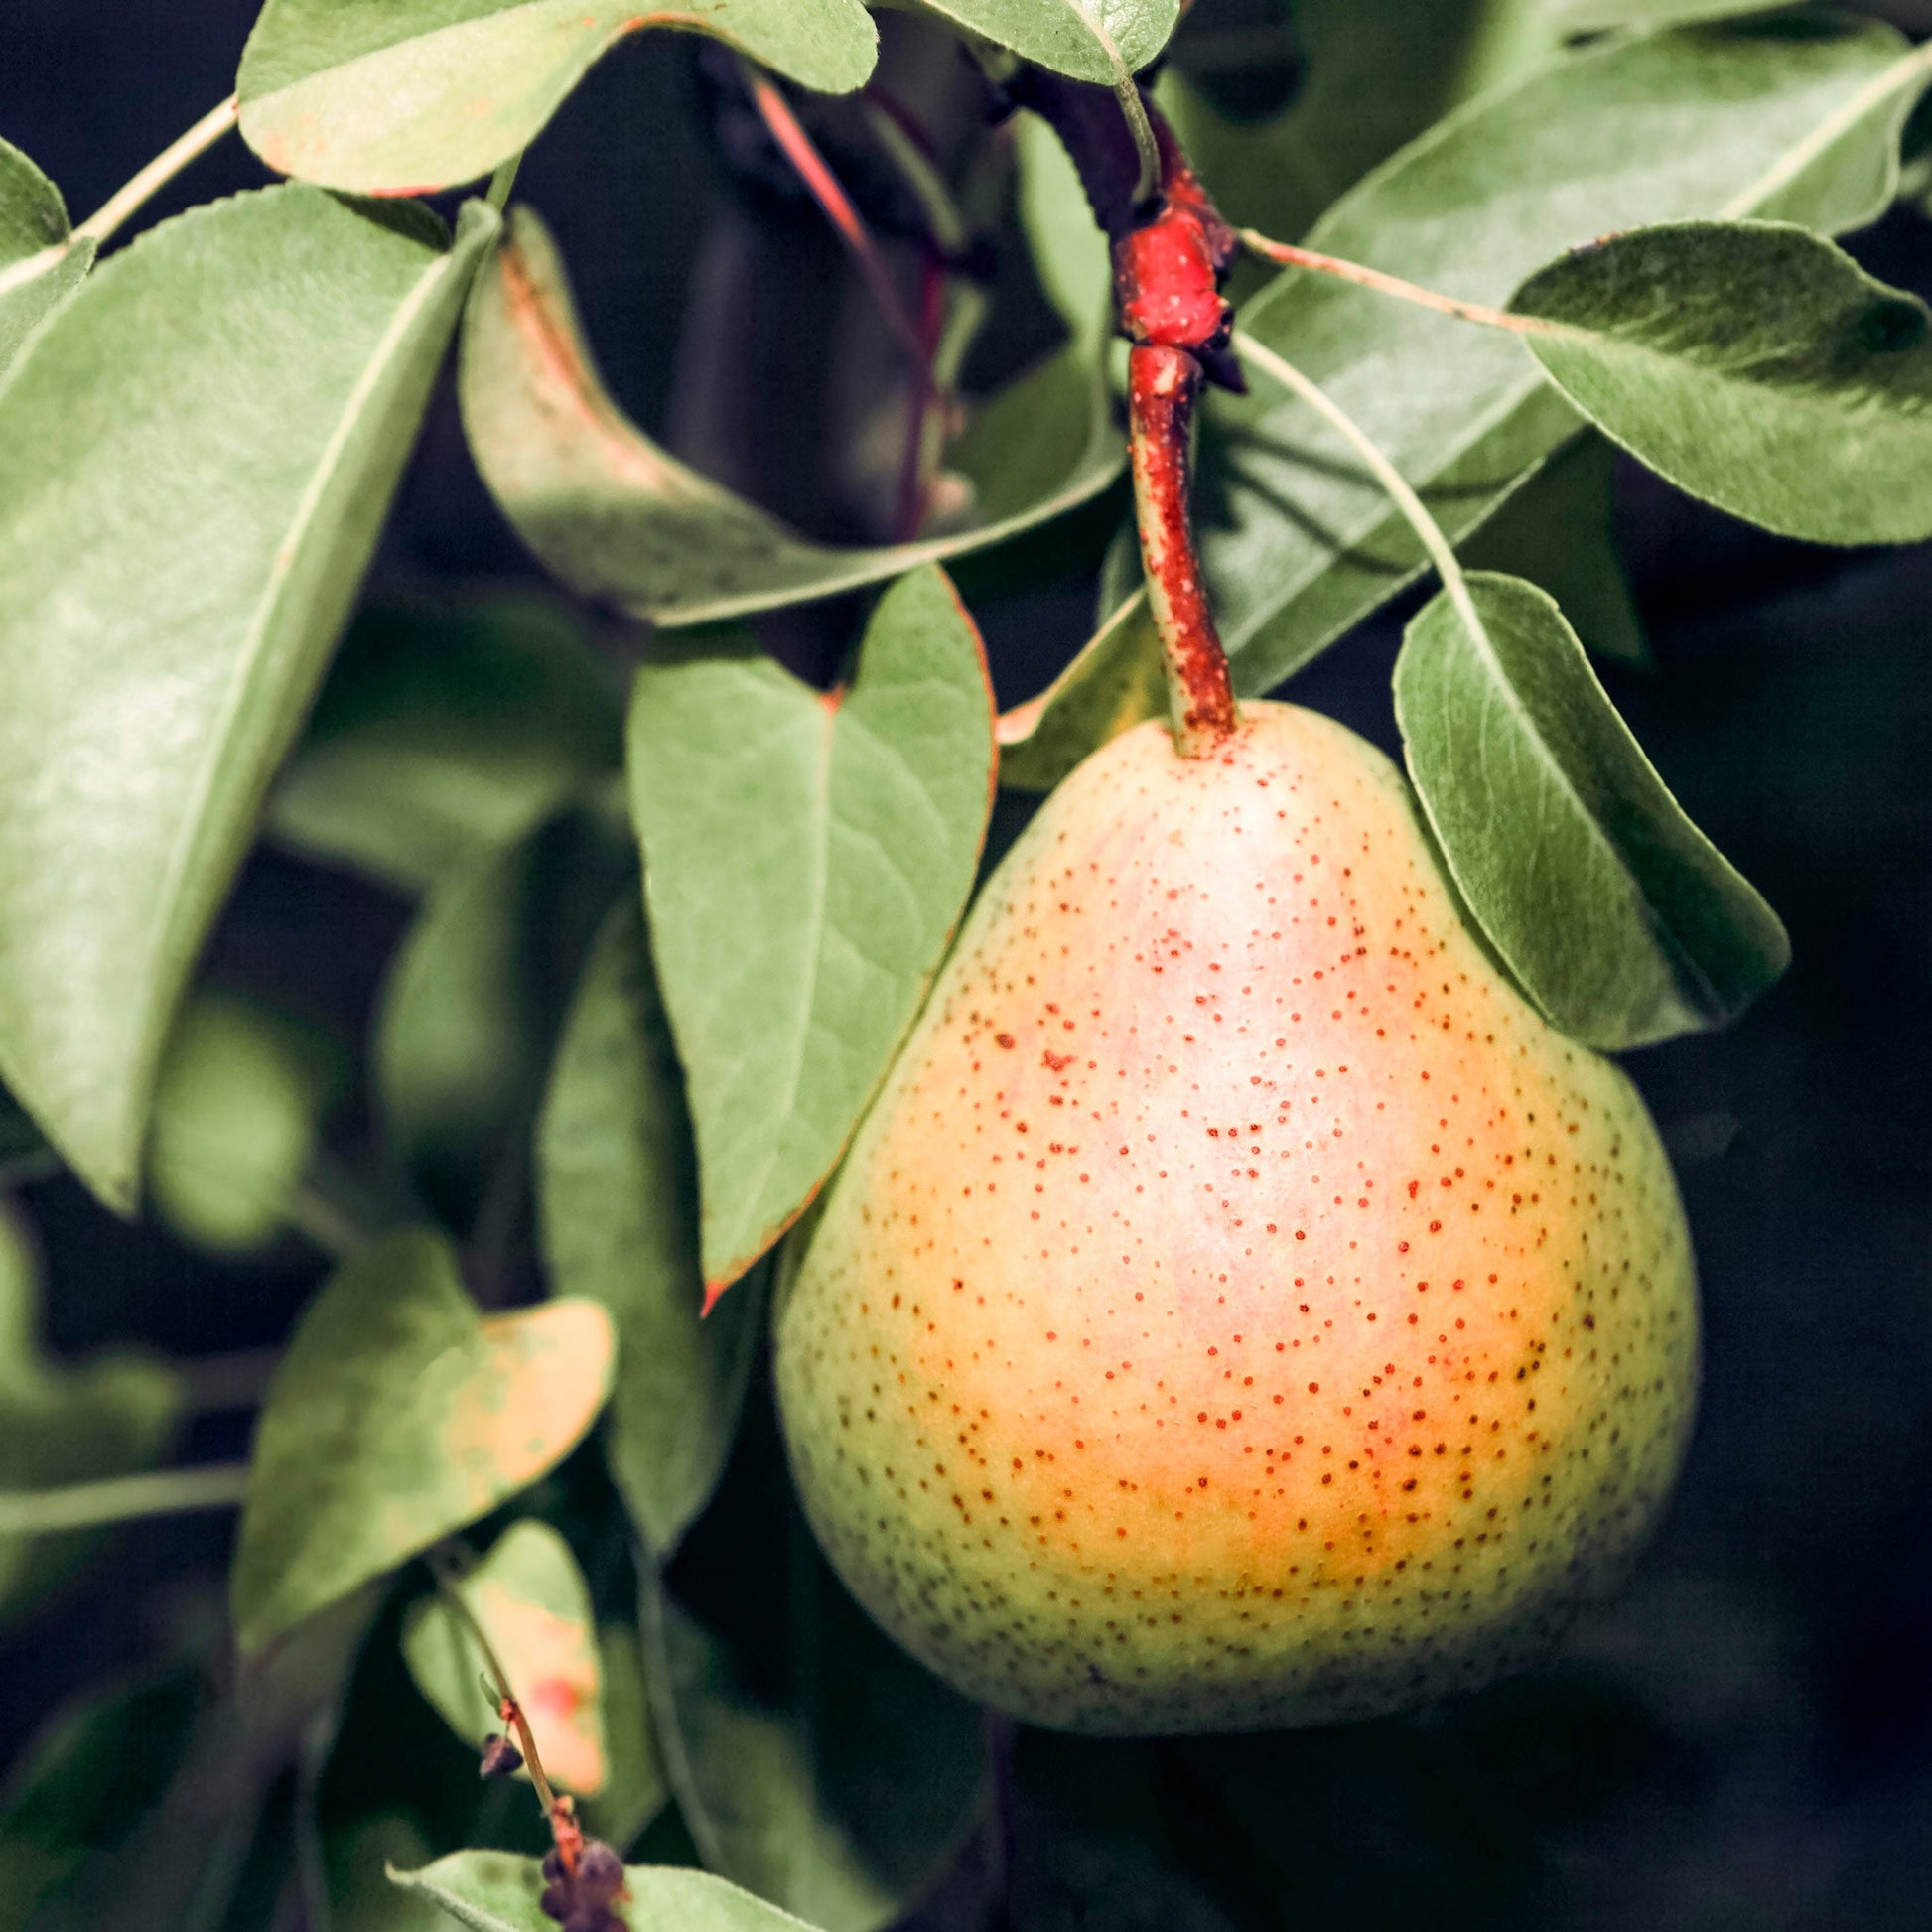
{"type": "Point", "coordinates": [1240, 1307]}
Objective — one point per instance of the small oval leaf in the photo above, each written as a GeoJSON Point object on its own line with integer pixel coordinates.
{"type": "Point", "coordinates": [618, 518]}
{"type": "Point", "coordinates": [41, 263]}
{"type": "Point", "coordinates": [618, 1190]}
{"type": "Point", "coordinates": [530, 1599]}
{"type": "Point", "coordinates": [1618, 917]}
{"type": "Point", "coordinates": [194, 463]}
{"type": "Point", "coordinates": [1101, 41]}
{"type": "Point", "coordinates": [496, 1891]}
{"type": "Point", "coordinates": [445, 727]}
{"type": "Point", "coordinates": [397, 1415]}
{"type": "Point", "coordinates": [806, 857]}
{"type": "Point", "coordinates": [1753, 364]}
{"type": "Point", "coordinates": [407, 95]}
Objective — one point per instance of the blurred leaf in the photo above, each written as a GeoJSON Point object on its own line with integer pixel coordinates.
{"type": "Point", "coordinates": [1119, 678]}
{"type": "Point", "coordinates": [408, 96]}
{"type": "Point", "coordinates": [237, 1117]}
{"type": "Point", "coordinates": [397, 1415]}
{"type": "Point", "coordinates": [1800, 120]}
{"type": "Point", "coordinates": [495, 1891]}
{"type": "Point", "coordinates": [467, 1018]}
{"type": "Point", "coordinates": [61, 1423]}
{"type": "Point", "coordinates": [1559, 530]}
{"type": "Point", "coordinates": [194, 464]}
{"type": "Point", "coordinates": [1753, 364]}
{"type": "Point", "coordinates": [635, 1790]}
{"type": "Point", "coordinates": [842, 1805]}
{"type": "Point", "coordinates": [618, 1188]}
{"type": "Point", "coordinates": [1618, 917]}
{"type": "Point", "coordinates": [362, 1895]}
{"type": "Point", "coordinates": [445, 727]}
{"type": "Point", "coordinates": [83, 1784]}
{"type": "Point", "coordinates": [531, 1600]}
{"type": "Point", "coordinates": [1070, 254]}
{"type": "Point", "coordinates": [1376, 73]}
{"type": "Point", "coordinates": [41, 264]}
{"type": "Point", "coordinates": [618, 518]}
{"type": "Point", "coordinates": [1597, 16]}
{"type": "Point", "coordinates": [1085, 39]}
{"type": "Point", "coordinates": [807, 859]}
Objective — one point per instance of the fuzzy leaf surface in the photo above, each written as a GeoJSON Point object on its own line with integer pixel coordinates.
{"type": "Point", "coordinates": [1765, 119]}
{"type": "Point", "coordinates": [807, 859]}
{"type": "Point", "coordinates": [1085, 39]}
{"type": "Point", "coordinates": [531, 1600]}
{"type": "Point", "coordinates": [1754, 364]}
{"type": "Point", "coordinates": [1617, 916]}
{"type": "Point", "coordinates": [618, 1194]}
{"type": "Point", "coordinates": [618, 518]}
{"type": "Point", "coordinates": [402, 97]}
{"type": "Point", "coordinates": [496, 1891]}
{"type": "Point", "coordinates": [41, 263]}
{"type": "Point", "coordinates": [442, 728]}
{"type": "Point", "coordinates": [194, 463]}
{"type": "Point", "coordinates": [398, 1415]}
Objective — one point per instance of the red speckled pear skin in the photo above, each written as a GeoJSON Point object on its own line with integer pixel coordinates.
{"type": "Point", "coordinates": [1240, 1307]}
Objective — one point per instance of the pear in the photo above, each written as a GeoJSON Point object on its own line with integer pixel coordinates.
{"type": "Point", "coordinates": [1240, 1307]}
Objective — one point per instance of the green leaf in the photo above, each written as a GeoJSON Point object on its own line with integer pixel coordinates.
{"type": "Point", "coordinates": [635, 1790]}
{"type": "Point", "coordinates": [399, 1415]}
{"type": "Point", "coordinates": [362, 1895]}
{"type": "Point", "coordinates": [806, 857]}
{"type": "Point", "coordinates": [61, 1423]}
{"type": "Point", "coordinates": [1618, 917]}
{"type": "Point", "coordinates": [467, 1018]}
{"type": "Point", "coordinates": [1559, 530]}
{"type": "Point", "coordinates": [401, 96]}
{"type": "Point", "coordinates": [1599, 15]}
{"type": "Point", "coordinates": [41, 263]}
{"type": "Point", "coordinates": [1798, 119]}
{"type": "Point", "coordinates": [1119, 678]}
{"type": "Point", "coordinates": [618, 518]}
{"type": "Point", "coordinates": [194, 464]}
{"type": "Point", "coordinates": [1753, 364]}
{"type": "Point", "coordinates": [496, 1891]}
{"type": "Point", "coordinates": [618, 1190]}
{"type": "Point", "coordinates": [445, 727]}
{"type": "Point", "coordinates": [1070, 254]}
{"type": "Point", "coordinates": [1085, 39]}
{"type": "Point", "coordinates": [533, 1603]}
{"type": "Point", "coordinates": [841, 1804]}
{"type": "Point", "coordinates": [236, 1118]}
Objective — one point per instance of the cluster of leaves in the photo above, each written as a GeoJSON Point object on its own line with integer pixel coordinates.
{"type": "Point", "coordinates": [668, 934]}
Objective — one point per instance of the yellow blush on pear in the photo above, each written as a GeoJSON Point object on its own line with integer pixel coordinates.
{"type": "Point", "coordinates": [1240, 1307]}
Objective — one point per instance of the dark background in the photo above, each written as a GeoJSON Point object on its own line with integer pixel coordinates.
{"type": "Point", "coordinates": [1744, 1738]}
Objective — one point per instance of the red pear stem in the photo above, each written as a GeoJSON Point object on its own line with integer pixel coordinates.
{"type": "Point", "coordinates": [1163, 386]}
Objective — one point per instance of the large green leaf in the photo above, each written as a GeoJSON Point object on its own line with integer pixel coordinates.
{"type": "Point", "coordinates": [467, 1018]}
{"type": "Point", "coordinates": [617, 518]}
{"type": "Point", "coordinates": [194, 463]}
{"type": "Point", "coordinates": [1794, 119]}
{"type": "Point", "coordinates": [531, 1601]}
{"type": "Point", "coordinates": [40, 261]}
{"type": "Point", "coordinates": [61, 1423]}
{"type": "Point", "coordinates": [844, 1800]}
{"type": "Point", "coordinates": [496, 1891]}
{"type": "Point", "coordinates": [400, 96]}
{"type": "Point", "coordinates": [1597, 16]}
{"type": "Point", "coordinates": [444, 727]}
{"type": "Point", "coordinates": [1754, 364]}
{"type": "Point", "coordinates": [618, 1190]}
{"type": "Point", "coordinates": [1100, 41]}
{"type": "Point", "coordinates": [399, 1415]}
{"type": "Point", "coordinates": [1616, 914]}
{"type": "Point", "coordinates": [806, 856]}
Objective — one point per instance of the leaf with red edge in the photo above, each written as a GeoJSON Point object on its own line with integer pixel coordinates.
{"type": "Point", "coordinates": [807, 859]}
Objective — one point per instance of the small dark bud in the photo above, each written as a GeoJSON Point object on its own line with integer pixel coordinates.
{"type": "Point", "coordinates": [594, 1918]}
{"type": "Point", "coordinates": [600, 1875]}
{"type": "Point", "coordinates": [556, 1904]}
{"type": "Point", "coordinates": [500, 1758]}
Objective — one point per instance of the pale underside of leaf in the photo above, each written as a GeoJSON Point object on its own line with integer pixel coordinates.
{"type": "Point", "coordinates": [618, 518]}
{"type": "Point", "coordinates": [1099, 40]}
{"type": "Point", "coordinates": [409, 95]}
